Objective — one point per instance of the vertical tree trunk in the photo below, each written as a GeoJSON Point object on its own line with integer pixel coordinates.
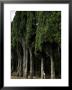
{"type": "Point", "coordinates": [26, 63]}
{"type": "Point", "coordinates": [42, 69]}
{"type": "Point", "coordinates": [24, 56]}
{"type": "Point", "coordinates": [19, 65]}
{"type": "Point", "coordinates": [18, 68]}
{"type": "Point", "coordinates": [12, 64]}
{"type": "Point", "coordinates": [31, 64]}
{"type": "Point", "coordinates": [52, 68]}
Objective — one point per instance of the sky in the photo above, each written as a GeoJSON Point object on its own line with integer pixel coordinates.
{"type": "Point", "coordinates": [12, 14]}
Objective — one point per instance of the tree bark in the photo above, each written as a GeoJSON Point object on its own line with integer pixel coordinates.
{"type": "Point", "coordinates": [19, 64]}
{"type": "Point", "coordinates": [42, 69]}
{"type": "Point", "coordinates": [24, 56]}
{"type": "Point", "coordinates": [31, 64]}
{"type": "Point", "coordinates": [26, 63]}
{"type": "Point", "coordinates": [12, 63]}
{"type": "Point", "coordinates": [52, 68]}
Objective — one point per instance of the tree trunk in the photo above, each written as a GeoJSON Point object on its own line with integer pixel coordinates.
{"type": "Point", "coordinates": [26, 63]}
{"type": "Point", "coordinates": [52, 68]}
{"type": "Point", "coordinates": [42, 69]}
{"type": "Point", "coordinates": [12, 64]}
{"type": "Point", "coordinates": [19, 65]}
{"type": "Point", "coordinates": [31, 64]}
{"type": "Point", "coordinates": [24, 56]}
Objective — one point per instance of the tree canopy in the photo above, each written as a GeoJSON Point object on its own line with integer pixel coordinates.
{"type": "Point", "coordinates": [39, 30]}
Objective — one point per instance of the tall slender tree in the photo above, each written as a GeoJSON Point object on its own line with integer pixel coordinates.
{"type": "Point", "coordinates": [36, 32]}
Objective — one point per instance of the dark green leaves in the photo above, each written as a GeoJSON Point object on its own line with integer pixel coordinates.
{"type": "Point", "coordinates": [37, 28]}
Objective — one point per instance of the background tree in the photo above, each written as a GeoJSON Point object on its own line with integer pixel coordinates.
{"type": "Point", "coordinates": [48, 35]}
{"type": "Point", "coordinates": [36, 38]}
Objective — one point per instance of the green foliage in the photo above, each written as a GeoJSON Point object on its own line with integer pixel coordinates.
{"type": "Point", "coordinates": [48, 29]}
{"type": "Point", "coordinates": [15, 29]}
{"type": "Point", "coordinates": [36, 28]}
{"type": "Point", "coordinates": [23, 22]}
{"type": "Point", "coordinates": [54, 21]}
{"type": "Point", "coordinates": [30, 28]}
